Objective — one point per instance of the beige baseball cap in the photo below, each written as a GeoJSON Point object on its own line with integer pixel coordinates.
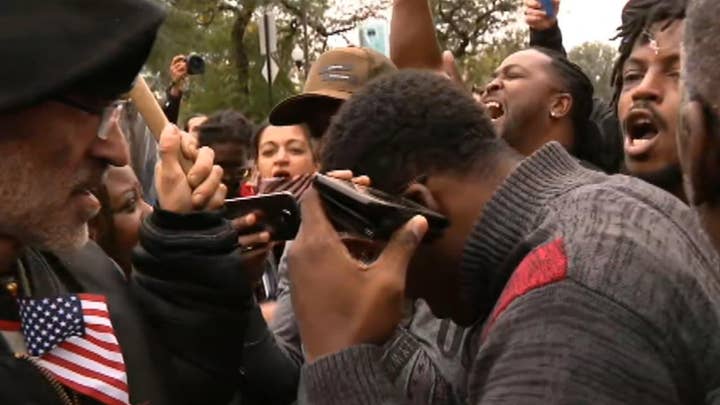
{"type": "Point", "coordinates": [333, 78]}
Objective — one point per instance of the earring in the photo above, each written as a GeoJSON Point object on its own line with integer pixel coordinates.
{"type": "Point", "coordinates": [553, 114]}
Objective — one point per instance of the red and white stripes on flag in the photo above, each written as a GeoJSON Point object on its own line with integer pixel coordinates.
{"type": "Point", "coordinates": [84, 358]}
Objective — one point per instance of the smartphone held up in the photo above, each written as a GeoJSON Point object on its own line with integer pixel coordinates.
{"type": "Point", "coordinates": [277, 213]}
{"type": "Point", "coordinates": [360, 214]}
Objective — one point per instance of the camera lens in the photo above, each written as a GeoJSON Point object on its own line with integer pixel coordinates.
{"type": "Point", "coordinates": [195, 64]}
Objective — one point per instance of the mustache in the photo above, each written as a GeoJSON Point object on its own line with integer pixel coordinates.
{"type": "Point", "coordinates": [648, 106]}
{"type": "Point", "coordinates": [89, 178]}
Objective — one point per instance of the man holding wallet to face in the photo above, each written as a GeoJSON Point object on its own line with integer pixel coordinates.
{"type": "Point", "coordinates": [581, 287]}
{"type": "Point", "coordinates": [425, 352]}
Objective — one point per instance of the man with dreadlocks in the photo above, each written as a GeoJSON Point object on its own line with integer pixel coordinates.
{"type": "Point", "coordinates": [536, 95]}
{"type": "Point", "coordinates": [545, 32]}
{"type": "Point", "coordinates": [645, 78]}
{"type": "Point", "coordinates": [647, 93]}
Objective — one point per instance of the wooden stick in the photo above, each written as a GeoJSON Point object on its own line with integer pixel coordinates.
{"type": "Point", "coordinates": [154, 117]}
{"type": "Point", "coordinates": [148, 107]}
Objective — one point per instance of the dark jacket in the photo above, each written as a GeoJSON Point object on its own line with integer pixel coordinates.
{"type": "Point", "coordinates": [171, 106]}
{"type": "Point", "coordinates": [179, 321]}
{"type": "Point", "coordinates": [592, 288]}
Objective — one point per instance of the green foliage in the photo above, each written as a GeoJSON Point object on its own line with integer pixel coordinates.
{"type": "Point", "coordinates": [596, 59]}
{"type": "Point", "coordinates": [467, 27]}
{"type": "Point", "coordinates": [190, 28]}
{"type": "Point", "coordinates": [225, 33]}
{"type": "Point", "coordinates": [478, 68]}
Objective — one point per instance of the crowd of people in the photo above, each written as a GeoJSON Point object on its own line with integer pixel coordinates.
{"type": "Point", "coordinates": [580, 261]}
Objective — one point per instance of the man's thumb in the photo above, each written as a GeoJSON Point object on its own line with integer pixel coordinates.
{"type": "Point", "coordinates": [403, 243]}
{"type": "Point", "coordinates": [450, 67]}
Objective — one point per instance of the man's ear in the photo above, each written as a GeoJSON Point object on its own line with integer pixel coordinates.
{"type": "Point", "coordinates": [699, 150]}
{"type": "Point", "coordinates": [422, 195]}
{"type": "Point", "coordinates": [93, 232]}
{"type": "Point", "coordinates": [561, 105]}
{"type": "Point", "coordinates": [96, 228]}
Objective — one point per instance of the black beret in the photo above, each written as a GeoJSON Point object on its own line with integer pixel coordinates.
{"type": "Point", "coordinates": [49, 46]}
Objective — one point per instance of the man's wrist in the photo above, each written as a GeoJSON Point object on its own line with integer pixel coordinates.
{"type": "Point", "coordinates": [174, 91]}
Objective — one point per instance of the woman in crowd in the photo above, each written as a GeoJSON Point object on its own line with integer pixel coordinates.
{"type": "Point", "coordinates": [284, 151]}
{"type": "Point", "coordinates": [281, 152]}
{"type": "Point", "coordinates": [116, 227]}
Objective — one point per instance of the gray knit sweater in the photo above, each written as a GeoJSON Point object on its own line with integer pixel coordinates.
{"type": "Point", "coordinates": [423, 360]}
{"type": "Point", "coordinates": [594, 289]}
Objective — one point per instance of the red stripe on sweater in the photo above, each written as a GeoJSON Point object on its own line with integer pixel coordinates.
{"type": "Point", "coordinates": [545, 265]}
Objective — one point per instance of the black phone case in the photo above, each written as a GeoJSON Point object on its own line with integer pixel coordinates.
{"type": "Point", "coordinates": [371, 213]}
{"type": "Point", "coordinates": [279, 213]}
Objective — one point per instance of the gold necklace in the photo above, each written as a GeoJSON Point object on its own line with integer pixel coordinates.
{"type": "Point", "coordinates": [60, 390]}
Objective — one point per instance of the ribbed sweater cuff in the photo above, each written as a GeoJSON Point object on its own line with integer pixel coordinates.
{"type": "Point", "coordinates": [352, 376]}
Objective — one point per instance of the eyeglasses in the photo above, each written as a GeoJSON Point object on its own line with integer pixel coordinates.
{"type": "Point", "coordinates": [108, 114]}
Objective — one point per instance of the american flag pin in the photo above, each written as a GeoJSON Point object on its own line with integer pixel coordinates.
{"type": "Point", "coordinates": [72, 338]}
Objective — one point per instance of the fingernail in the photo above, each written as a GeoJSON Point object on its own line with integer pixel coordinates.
{"type": "Point", "coordinates": [250, 219]}
{"type": "Point", "coordinates": [197, 195]}
{"type": "Point", "coordinates": [192, 178]}
{"type": "Point", "coordinates": [419, 226]}
{"type": "Point", "coordinates": [265, 236]}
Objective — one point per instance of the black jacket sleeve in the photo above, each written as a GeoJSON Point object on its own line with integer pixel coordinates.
{"type": "Point", "coordinates": [171, 107]}
{"type": "Point", "coordinates": [22, 383]}
{"type": "Point", "coordinates": [190, 282]}
{"type": "Point", "coordinates": [550, 38]}
{"type": "Point", "coordinates": [269, 374]}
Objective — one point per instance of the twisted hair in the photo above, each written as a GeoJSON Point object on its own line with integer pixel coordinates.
{"type": "Point", "coordinates": [637, 17]}
{"type": "Point", "coordinates": [589, 144]}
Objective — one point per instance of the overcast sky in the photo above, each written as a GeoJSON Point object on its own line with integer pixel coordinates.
{"type": "Point", "coordinates": [580, 20]}
{"type": "Point", "coordinates": [586, 20]}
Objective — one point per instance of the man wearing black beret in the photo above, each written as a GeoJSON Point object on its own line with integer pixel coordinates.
{"type": "Point", "coordinates": [72, 328]}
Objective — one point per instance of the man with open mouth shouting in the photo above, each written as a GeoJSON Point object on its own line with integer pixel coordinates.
{"type": "Point", "coordinates": [536, 96]}
{"type": "Point", "coordinates": [647, 92]}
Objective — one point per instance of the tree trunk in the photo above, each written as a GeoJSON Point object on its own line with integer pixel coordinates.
{"type": "Point", "coordinates": [242, 60]}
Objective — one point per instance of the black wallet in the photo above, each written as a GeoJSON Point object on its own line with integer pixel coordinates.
{"type": "Point", "coordinates": [371, 213]}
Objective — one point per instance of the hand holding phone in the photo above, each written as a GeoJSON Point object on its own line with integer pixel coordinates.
{"type": "Point", "coordinates": [370, 213]}
{"type": "Point", "coordinates": [277, 213]}
{"type": "Point", "coordinates": [549, 8]}
{"type": "Point", "coordinates": [541, 15]}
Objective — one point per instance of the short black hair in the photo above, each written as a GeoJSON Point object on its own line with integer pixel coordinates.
{"type": "Point", "coordinates": [406, 125]}
{"type": "Point", "coordinates": [226, 126]}
{"type": "Point", "coordinates": [589, 146]}
{"type": "Point", "coordinates": [637, 17]}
